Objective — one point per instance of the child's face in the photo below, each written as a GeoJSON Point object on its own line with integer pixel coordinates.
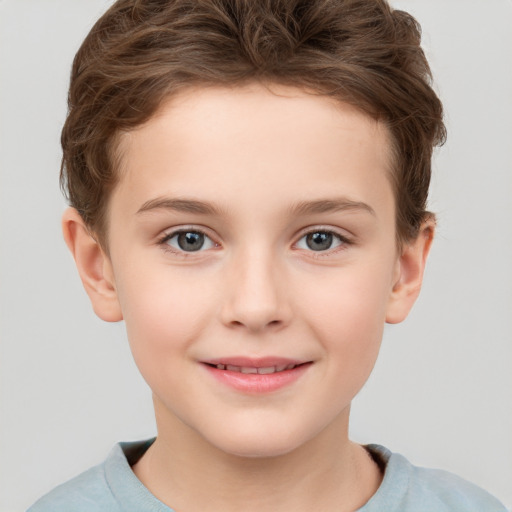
{"type": "Point", "coordinates": [249, 174]}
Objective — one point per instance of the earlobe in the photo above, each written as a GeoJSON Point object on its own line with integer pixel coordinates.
{"type": "Point", "coordinates": [409, 275]}
{"type": "Point", "coordinates": [93, 265]}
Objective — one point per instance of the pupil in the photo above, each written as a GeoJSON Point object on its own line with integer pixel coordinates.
{"type": "Point", "coordinates": [190, 241]}
{"type": "Point", "coordinates": [319, 241]}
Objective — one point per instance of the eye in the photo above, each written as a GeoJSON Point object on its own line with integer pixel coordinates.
{"type": "Point", "coordinates": [188, 241]}
{"type": "Point", "coordinates": [321, 241]}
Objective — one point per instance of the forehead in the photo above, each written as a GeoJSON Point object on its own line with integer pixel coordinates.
{"type": "Point", "coordinates": [224, 141]}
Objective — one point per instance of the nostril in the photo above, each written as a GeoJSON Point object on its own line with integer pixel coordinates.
{"type": "Point", "coordinates": [271, 322]}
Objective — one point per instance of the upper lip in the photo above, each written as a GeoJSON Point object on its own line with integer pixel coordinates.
{"type": "Point", "coordinates": [254, 362]}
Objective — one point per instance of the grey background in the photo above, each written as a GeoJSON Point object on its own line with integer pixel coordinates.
{"type": "Point", "coordinates": [442, 390]}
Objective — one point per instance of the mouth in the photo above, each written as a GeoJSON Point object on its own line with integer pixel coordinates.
{"type": "Point", "coordinates": [259, 376]}
{"type": "Point", "coordinates": [248, 370]}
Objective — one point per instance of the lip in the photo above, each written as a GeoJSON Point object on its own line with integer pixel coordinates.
{"type": "Point", "coordinates": [241, 373]}
{"type": "Point", "coordinates": [254, 362]}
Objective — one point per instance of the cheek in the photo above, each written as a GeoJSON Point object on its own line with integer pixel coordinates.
{"type": "Point", "coordinates": [163, 314]}
{"type": "Point", "coordinates": [353, 297]}
{"type": "Point", "coordinates": [346, 311]}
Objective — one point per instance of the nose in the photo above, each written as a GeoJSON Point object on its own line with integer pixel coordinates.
{"type": "Point", "coordinates": [255, 294]}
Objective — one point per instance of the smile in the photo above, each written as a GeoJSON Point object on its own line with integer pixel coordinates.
{"type": "Point", "coordinates": [252, 369]}
{"type": "Point", "coordinates": [256, 376]}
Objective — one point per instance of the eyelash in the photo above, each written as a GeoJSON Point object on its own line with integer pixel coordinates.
{"type": "Point", "coordinates": [343, 241]}
{"type": "Point", "coordinates": [163, 241]}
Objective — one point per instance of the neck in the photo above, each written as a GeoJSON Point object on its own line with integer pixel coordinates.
{"type": "Point", "coordinates": [326, 473]}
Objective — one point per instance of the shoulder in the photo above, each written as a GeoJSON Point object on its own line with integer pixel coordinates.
{"type": "Point", "coordinates": [406, 487]}
{"type": "Point", "coordinates": [109, 487]}
{"type": "Point", "coordinates": [86, 492]}
{"type": "Point", "coordinates": [451, 491]}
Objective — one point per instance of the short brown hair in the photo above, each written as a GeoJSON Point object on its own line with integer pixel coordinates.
{"type": "Point", "coordinates": [140, 52]}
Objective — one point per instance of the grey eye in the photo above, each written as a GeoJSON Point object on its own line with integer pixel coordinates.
{"type": "Point", "coordinates": [319, 241]}
{"type": "Point", "coordinates": [190, 241]}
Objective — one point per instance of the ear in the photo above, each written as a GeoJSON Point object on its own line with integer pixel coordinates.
{"type": "Point", "coordinates": [93, 265]}
{"type": "Point", "coordinates": [409, 274]}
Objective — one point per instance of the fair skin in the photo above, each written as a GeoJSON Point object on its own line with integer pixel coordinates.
{"type": "Point", "coordinates": [290, 260]}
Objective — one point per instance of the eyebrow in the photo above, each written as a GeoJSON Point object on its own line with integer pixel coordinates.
{"type": "Point", "coordinates": [179, 205]}
{"type": "Point", "coordinates": [330, 206]}
{"type": "Point", "coordinates": [300, 208]}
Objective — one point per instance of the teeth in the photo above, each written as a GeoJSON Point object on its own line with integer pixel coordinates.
{"type": "Point", "coordinates": [252, 370]}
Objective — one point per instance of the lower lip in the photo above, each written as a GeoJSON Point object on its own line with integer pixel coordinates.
{"type": "Point", "coordinates": [255, 383]}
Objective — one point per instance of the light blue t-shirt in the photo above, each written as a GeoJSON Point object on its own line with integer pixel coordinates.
{"type": "Point", "coordinates": [113, 487]}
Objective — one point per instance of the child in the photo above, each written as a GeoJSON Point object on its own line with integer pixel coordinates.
{"type": "Point", "coordinates": [248, 183]}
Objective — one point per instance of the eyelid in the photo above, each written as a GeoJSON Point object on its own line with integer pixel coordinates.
{"type": "Point", "coordinates": [344, 238]}
{"type": "Point", "coordinates": [170, 233]}
{"type": "Point", "coordinates": [321, 228]}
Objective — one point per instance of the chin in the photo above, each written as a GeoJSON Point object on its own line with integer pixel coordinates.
{"type": "Point", "coordinates": [258, 444]}
{"type": "Point", "coordinates": [259, 450]}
